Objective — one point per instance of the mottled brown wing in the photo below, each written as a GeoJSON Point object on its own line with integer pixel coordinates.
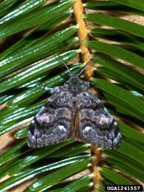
{"type": "Point", "coordinates": [96, 125]}
{"type": "Point", "coordinates": [52, 124]}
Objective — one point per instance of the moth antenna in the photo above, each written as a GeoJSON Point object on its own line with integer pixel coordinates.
{"type": "Point", "coordinates": [64, 64]}
{"type": "Point", "coordinates": [86, 66]}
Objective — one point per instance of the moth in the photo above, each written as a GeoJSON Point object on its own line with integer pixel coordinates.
{"type": "Point", "coordinates": [73, 111]}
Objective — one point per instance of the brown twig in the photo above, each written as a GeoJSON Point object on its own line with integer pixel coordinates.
{"type": "Point", "coordinates": [83, 35]}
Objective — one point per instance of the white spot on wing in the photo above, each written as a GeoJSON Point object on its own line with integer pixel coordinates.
{"type": "Point", "coordinates": [115, 123]}
{"type": "Point", "coordinates": [61, 127]}
{"type": "Point", "coordinates": [87, 129]}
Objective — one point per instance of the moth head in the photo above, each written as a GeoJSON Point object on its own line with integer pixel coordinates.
{"type": "Point", "coordinates": [75, 85]}
{"type": "Point", "coordinates": [75, 80]}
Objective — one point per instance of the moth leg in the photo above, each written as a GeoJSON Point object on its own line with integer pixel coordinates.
{"type": "Point", "coordinates": [91, 84]}
{"type": "Point", "coordinates": [51, 90]}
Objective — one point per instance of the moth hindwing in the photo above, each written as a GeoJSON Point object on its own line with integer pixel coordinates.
{"type": "Point", "coordinates": [73, 111]}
